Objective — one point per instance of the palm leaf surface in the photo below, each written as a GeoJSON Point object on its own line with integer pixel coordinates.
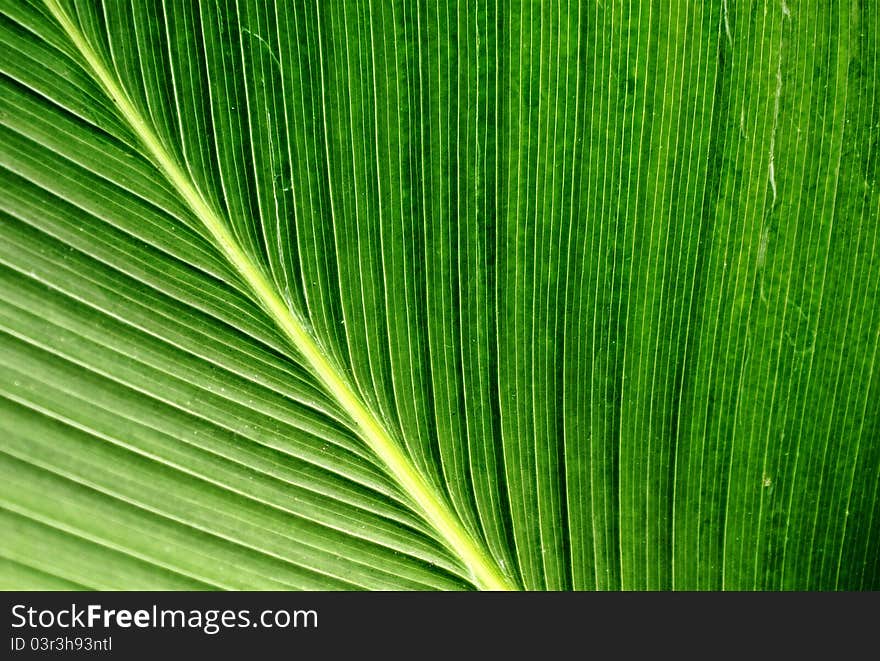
{"type": "Point", "coordinates": [424, 296]}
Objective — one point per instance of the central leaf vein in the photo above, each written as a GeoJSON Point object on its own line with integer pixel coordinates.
{"type": "Point", "coordinates": [484, 569]}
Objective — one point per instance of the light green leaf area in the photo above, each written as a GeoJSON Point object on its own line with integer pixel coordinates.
{"type": "Point", "coordinates": [427, 295]}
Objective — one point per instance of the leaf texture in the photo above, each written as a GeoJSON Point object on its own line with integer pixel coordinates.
{"type": "Point", "coordinates": [413, 295]}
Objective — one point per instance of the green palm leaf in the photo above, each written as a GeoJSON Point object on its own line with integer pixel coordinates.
{"type": "Point", "coordinates": [404, 295]}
